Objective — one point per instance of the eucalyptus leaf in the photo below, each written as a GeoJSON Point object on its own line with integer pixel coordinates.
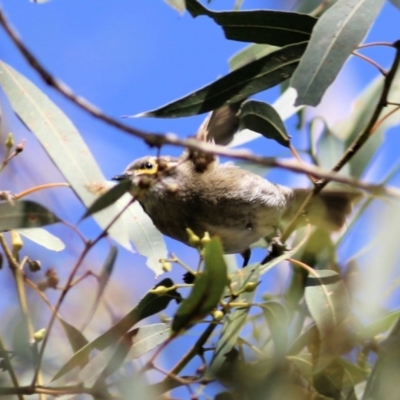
{"type": "Point", "coordinates": [278, 28]}
{"type": "Point", "coordinates": [252, 78]}
{"type": "Point", "coordinates": [335, 36]}
{"type": "Point", "coordinates": [61, 140]}
{"type": "Point", "coordinates": [43, 238]}
{"type": "Point", "coordinates": [149, 305]}
{"type": "Point", "coordinates": [75, 337]}
{"type": "Point", "coordinates": [234, 321]}
{"type": "Point", "coordinates": [178, 5]}
{"type": "Point", "coordinates": [139, 341]}
{"type": "Point", "coordinates": [108, 198]}
{"type": "Point", "coordinates": [104, 277]}
{"type": "Point", "coordinates": [278, 319]}
{"type": "Point", "coordinates": [350, 127]}
{"type": "Point", "coordinates": [262, 118]}
{"type": "Point", "coordinates": [207, 290]}
{"type": "Point", "coordinates": [327, 300]}
{"type": "Point", "coordinates": [25, 214]}
{"type": "Point", "coordinates": [249, 54]}
{"type": "Point", "coordinates": [381, 325]}
{"type": "Point", "coordinates": [396, 3]}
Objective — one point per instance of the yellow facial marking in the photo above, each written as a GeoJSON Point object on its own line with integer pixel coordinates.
{"type": "Point", "coordinates": [149, 167]}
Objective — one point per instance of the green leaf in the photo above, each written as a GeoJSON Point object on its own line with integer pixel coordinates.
{"type": "Point", "coordinates": [349, 128]}
{"type": "Point", "coordinates": [336, 34]}
{"type": "Point", "coordinates": [149, 305]}
{"type": "Point", "coordinates": [249, 54]}
{"type": "Point", "coordinates": [60, 138]}
{"type": "Point", "coordinates": [396, 3]}
{"type": "Point", "coordinates": [277, 318]}
{"type": "Point", "coordinates": [43, 238]}
{"type": "Point", "coordinates": [304, 339]}
{"type": "Point", "coordinates": [252, 78]}
{"type": "Point", "coordinates": [278, 28]}
{"type": "Point", "coordinates": [207, 290]}
{"type": "Point", "coordinates": [328, 303]}
{"type": "Point", "coordinates": [137, 342]}
{"type": "Point", "coordinates": [104, 277]}
{"type": "Point", "coordinates": [24, 214]}
{"type": "Point", "coordinates": [262, 118]}
{"type": "Point", "coordinates": [75, 337]}
{"type": "Point", "coordinates": [108, 198]}
{"type": "Point", "coordinates": [178, 5]}
{"type": "Point", "coordinates": [234, 321]}
{"type": "Point", "coordinates": [381, 325]}
{"type": "Point", "coordinates": [329, 148]}
{"type": "Point", "coordinates": [303, 363]}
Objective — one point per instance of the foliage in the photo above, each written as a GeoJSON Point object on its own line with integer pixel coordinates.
{"type": "Point", "coordinates": [313, 340]}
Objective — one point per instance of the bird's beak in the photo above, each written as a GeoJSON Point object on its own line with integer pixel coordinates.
{"type": "Point", "coordinates": [121, 177]}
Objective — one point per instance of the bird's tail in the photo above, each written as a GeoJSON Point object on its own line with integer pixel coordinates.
{"type": "Point", "coordinates": [327, 210]}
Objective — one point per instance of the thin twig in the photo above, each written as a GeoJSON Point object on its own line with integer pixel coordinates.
{"type": "Point", "coordinates": [9, 367]}
{"type": "Point", "coordinates": [373, 44]}
{"type": "Point", "coordinates": [40, 187]}
{"type": "Point", "coordinates": [64, 292]}
{"type": "Point", "coordinates": [371, 61]}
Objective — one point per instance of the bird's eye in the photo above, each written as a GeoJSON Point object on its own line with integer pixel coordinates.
{"type": "Point", "coordinates": [148, 165]}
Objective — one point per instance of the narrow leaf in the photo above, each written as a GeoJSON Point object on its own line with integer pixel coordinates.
{"type": "Point", "coordinates": [149, 305]}
{"type": "Point", "coordinates": [61, 140]}
{"type": "Point", "coordinates": [328, 303]}
{"type": "Point", "coordinates": [396, 3]}
{"type": "Point", "coordinates": [252, 78]}
{"type": "Point", "coordinates": [278, 28]}
{"type": "Point", "coordinates": [43, 238]}
{"type": "Point", "coordinates": [262, 118]}
{"type": "Point", "coordinates": [381, 325]}
{"type": "Point", "coordinates": [350, 127]}
{"type": "Point", "coordinates": [75, 337]}
{"type": "Point", "coordinates": [142, 340]}
{"type": "Point", "coordinates": [25, 214]}
{"type": "Point", "coordinates": [234, 321]}
{"type": "Point", "coordinates": [178, 5]}
{"type": "Point", "coordinates": [207, 290]}
{"type": "Point", "coordinates": [337, 33]}
{"type": "Point", "coordinates": [104, 277]}
{"type": "Point", "coordinates": [108, 198]}
{"type": "Point", "coordinates": [249, 54]}
{"type": "Point", "coordinates": [277, 317]}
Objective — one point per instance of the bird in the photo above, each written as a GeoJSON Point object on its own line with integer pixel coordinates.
{"type": "Point", "coordinates": [225, 200]}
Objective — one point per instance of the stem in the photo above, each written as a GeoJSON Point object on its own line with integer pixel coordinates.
{"type": "Point", "coordinates": [372, 62]}
{"type": "Point", "coordinates": [40, 187]}
{"type": "Point", "coordinates": [64, 292]}
{"type": "Point", "coordinates": [372, 44]}
{"type": "Point", "coordinates": [19, 280]}
{"type": "Point", "coordinates": [196, 349]}
{"type": "Point", "coordinates": [9, 367]}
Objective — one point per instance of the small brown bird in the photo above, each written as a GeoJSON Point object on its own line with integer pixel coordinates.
{"type": "Point", "coordinates": [225, 200]}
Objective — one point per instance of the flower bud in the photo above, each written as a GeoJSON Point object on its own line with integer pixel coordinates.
{"type": "Point", "coordinates": [194, 240]}
{"type": "Point", "coordinates": [9, 141]}
{"type": "Point", "coordinates": [39, 335]}
{"type": "Point", "coordinates": [16, 241]}
{"type": "Point", "coordinates": [159, 290]}
{"type": "Point", "coordinates": [218, 315]}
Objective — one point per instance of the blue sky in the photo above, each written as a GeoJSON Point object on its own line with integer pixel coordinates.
{"type": "Point", "coordinates": [131, 56]}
